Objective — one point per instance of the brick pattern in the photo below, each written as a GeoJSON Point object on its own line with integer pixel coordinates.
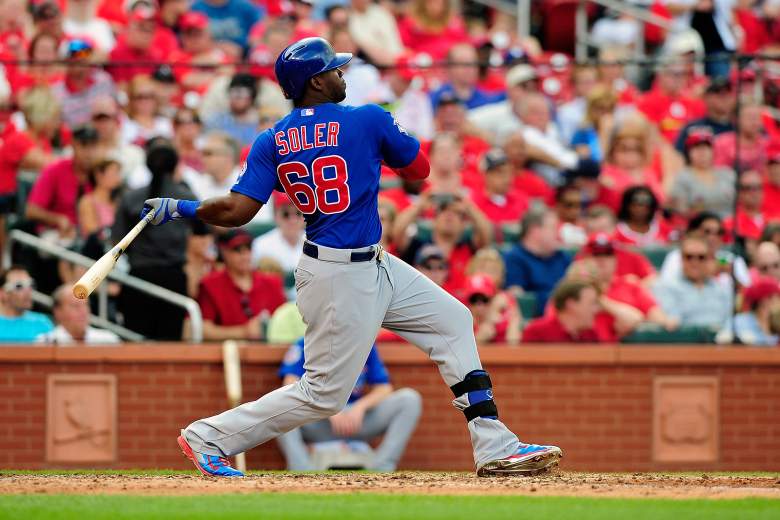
{"type": "Point", "coordinates": [600, 414]}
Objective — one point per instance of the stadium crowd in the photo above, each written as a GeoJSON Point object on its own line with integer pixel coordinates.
{"type": "Point", "coordinates": [567, 202]}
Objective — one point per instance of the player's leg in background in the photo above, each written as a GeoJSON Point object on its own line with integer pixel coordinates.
{"type": "Point", "coordinates": [395, 417]}
{"type": "Point", "coordinates": [442, 327]}
{"type": "Point", "coordinates": [343, 305]}
{"type": "Point", "coordinates": [294, 443]}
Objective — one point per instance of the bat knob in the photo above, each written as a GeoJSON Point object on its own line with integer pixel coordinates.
{"type": "Point", "coordinates": [80, 292]}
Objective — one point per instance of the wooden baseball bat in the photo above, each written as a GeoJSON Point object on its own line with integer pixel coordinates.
{"type": "Point", "coordinates": [232, 364]}
{"type": "Point", "coordinates": [100, 269]}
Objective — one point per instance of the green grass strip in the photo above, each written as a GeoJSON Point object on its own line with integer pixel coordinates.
{"type": "Point", "coordinates": [376, 507]}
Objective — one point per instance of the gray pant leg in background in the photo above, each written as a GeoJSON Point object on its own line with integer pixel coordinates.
{"type": "Point", "coordinates": [343, 305]}
{"type": "Point", "coordinates": [395, 417]}
{"type": "Point", "coordinates": [427, 316]}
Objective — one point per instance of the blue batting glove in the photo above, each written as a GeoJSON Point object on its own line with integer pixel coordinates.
{"type": "Point", "coordinates": [166, 209]}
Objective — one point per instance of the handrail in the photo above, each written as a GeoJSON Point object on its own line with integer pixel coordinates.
{"type": "Point", "coordinates": [48, 302]}
{"type": "Point", "coordinates": [640, 14]}
{"type": "Point", "coordinates": [190, 305]}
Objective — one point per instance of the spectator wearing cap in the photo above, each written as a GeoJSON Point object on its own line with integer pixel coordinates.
{"type": "Point", "coordinates": [135, 51]}
{"type": "Point", "coordinates": [195, 62]}
{"type": "Point", "coordinates": [237, 299]}
{"type": "Point", "coordinates": [375, 31]}
{"type": "Point", "coordinates": [17, 322]}
{"type": "Point", "coordinates": [576, 306]}
{"type": "Point", "coordinates": [695, 298]}
{"type": "Point", "coordinates": [452, 214]}
{"type": "Point", "coordinates": [52, 201]}
{"type": "Point", "coordinates": [496, 316]}
{"type": "Point", "coordinates": [536, 263]}
{"type": "Point", "coordinates": [500, 119]}
{"type": "Point", "coordinates": [709, 226]}
{"type": "Point", "coordinates": [719, 98]}
{"type": "Point", "coordinates": [462, 78]}
{"type": "Point", "coordinates": [753, 143]}
{"type": "Point", "coordinates": [82, 84]}
{"type": "Point", "coordinates": [572, 115]}
{"type": "Point", "coordinates": [766, 262]}
{"type": "Point", "coordinates": [771, 205]}
{"type": "Point", "coordinates": [143, 118]}
{"type": "Point", "coordinates": [568, 207]}
{"type": "Point", "coordinates": [80, 22]}
{"type": "Point", "coordinates": [220, 154]}
{"type": "Point", "coordinates": [590, 139]}
{"type": "Point", "coordinates": [284, 243]}
{"type": "Point", "coordinates": [72, 317]}
{"type": "Point", "coordinates": [405, 98]}
{"type": "Point", "coordinates": [159, 253]}
{"type": "Point", "coordinates": [750, 220]}
{"type": "Point", "coordinates": [431, 261]}
{"type": "Point", "coordinates": [231, 21]}
{"type": "Point", "coordinates": [364, 84]}
{"type": "Point", "coordinates": [639, 219]}
{"type": "Point", "coordinates": [106, 117]}
{"type": "Point", "coordinates": [240, 119]}
{"type": "Point", "coordinates": [753, 325]}
{"type": "Point", "coordinates": [28, 149]}
{"type": "Point", "coordinates": [702, 186]}
{"type": "Point", "coordinates": [432, 26]}
{"type": "Point", "coordinates": [47, 17]}
{"type": "Point", "coordinates": [667, 106]}
{"type": "Point", "coordinates": [499, 200]}
{"type": "Point", "coordinates": [525, 179]}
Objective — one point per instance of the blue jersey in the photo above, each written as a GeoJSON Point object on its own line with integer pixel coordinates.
{"type": "Point", "coordinates": [327, 158]}
{"type": "Point", "coordinates": [374, 372]}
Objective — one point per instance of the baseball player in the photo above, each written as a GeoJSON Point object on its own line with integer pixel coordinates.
{"type": "Point", "coordinates": [327, 158]}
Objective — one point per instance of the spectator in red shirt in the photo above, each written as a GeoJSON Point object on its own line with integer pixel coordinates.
{"type": "Point", "coordinates": [771, 205]}
{"type": "Point", "coordinates": [43, 48]}
{"type": "Point", "coordinates": [404, 195]}
{"type": "Point", "coordinates": [525, 179]}
{"type": "Point", "coordinates": [667, 106]}
{"type": "Point", "coordinates": [750, 220]}
{"type": "Point", "coordinates": [600, 221]}
{"type": "Point", "coordinates": [753, 143]}
{"type": "Point", "coordinates": [496, 317]}
{"type": "Point", "coordinates": [134, 48]}
{"type": "Point", "coordinates": [446, 175]}
{"type": "Point", "coordinates": [611, 71]}
{"type": "Point", "coordinates": [52, 201]}
{"type": "Point", "coordinates": [236, 300]}
{"type": "Point", "coordinates": [197, 50]}
{"type": "Point", "coordinates": [450, 117]}
{"type": "Point", "coordinates": [640, 222]}
{"type": "Point", "coordinates": [431, 26]}
{"type": "Point", "coordinates": [47, 18]}
{"type": "Point", "coordinates": [576, 306]}
{"type": "Point", "coordinates": [498, 200]}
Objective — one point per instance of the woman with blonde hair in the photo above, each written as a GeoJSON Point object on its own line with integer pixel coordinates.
{"type": "Point", "coordinates": [432, 27]}
{"type": "Point", "coordinates": [143, 119]}
{"type": "Point", "coordinates": [591, 140]}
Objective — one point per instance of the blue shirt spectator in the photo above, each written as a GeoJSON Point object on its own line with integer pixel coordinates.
{"type": "Point", "coordinates": [374, 372]}
{"type": "Point", "coordinates": [477, 98]}
{"type": "Point", "coordinates": [590, 138]}
{"type": "Point", "coordinates": [462, 79]}
{"type": "Point", "coordinates": [17, 322]}
{"type": "Point", "coordinates": [536, 264]}
{"type": "Point", "coordinates": [230, 20]}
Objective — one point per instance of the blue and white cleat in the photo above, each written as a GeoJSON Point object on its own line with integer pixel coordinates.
{"type": "Point", "coordinates": [209, 465]}
{"type": "Point", "coordinates": [530, 459]}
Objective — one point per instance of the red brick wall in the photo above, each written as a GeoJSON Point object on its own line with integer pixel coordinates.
{"type": "Point", "coordinates": [596, 403]}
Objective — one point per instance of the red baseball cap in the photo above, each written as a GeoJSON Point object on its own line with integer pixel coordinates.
{"type": "Point", "coordinates": [142, 13]}
{"type": "Point", "coordinates": [697, 137]}
{"type": "Point", "coordinates": [193, 20]}
{"type": "Point", "coordinates": [234, 238]}
{"type": "Point", "coordinates": [281, 199]}
{"type": "Point", "coordinates": [480, 284]}
{"type": "Point", "coordinates": [599, 244]}
{"type": "Point", "coordinates": [761, 289]}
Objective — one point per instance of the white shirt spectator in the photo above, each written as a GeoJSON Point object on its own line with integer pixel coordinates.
{"type": "Point", "coordinates": [134, 133]}
{"type": "Point", "coordinates": [273, 245]}
{"type": "Point", "coordinates": [375, 28]}
{"type": "Point", "coordinates": [364, 84]}
{"type": "Point", "coordinates": [570, 117]}
{"type": "Point", "coordinates": [497, 119]}
{"type": "Point", "coordinates": [96, 29]}
{"type": "Point", "coordinates": [672, 269]}
{"type": "Point", "coordinates": [94, 336]}
{"type": "Point", "coordinates": [412, 110]}
{"type": "Point", "coordinates": [205, 186]}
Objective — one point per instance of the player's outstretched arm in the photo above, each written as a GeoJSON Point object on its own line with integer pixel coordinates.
{"type": "Point", "coordinates": [231, 210]}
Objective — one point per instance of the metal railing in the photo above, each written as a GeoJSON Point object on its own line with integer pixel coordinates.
{"type": "Point", "coordinates": [190, 305]}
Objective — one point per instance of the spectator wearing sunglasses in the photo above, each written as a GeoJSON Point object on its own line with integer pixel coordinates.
{"type": "Point", "coordinates": [771, 203]}
{"type": "Point", "coordinates": [766, 262]}
{"type": "Point", "coordinates": [695, 298]}
{"type": "Point", "coordinates": [496, 316]}
{"type": "Point", "coordinates": [237, 299]}
{"type": "Point", "coordinates": [136, 48]}
{"type": "Point", "coordinates": [17, 322]}
{"type": "Point", "coordinates": [284, 243]}
{"type": "Point", "coordinates": [82, 85]}
{"type": "Point", "coordinates": [750, 219]}
{"type": "Point", "coordinates": [432, 262]}
{"type": "Point", "coordinates": [708, 226]}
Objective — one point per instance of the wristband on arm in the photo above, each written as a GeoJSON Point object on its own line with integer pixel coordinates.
{"type": "Point", "coordinates": [416, 170]}
{"type": "Point", "coordinates": [188, 208]}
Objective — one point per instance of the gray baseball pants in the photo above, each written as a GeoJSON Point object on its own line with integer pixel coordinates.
{"type": "Point", "coordinates": [344, 304]}
{"type": "Point", "coordinates": [395, 417]}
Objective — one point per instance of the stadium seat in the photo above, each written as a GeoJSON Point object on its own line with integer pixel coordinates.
{"type": "Point", "coordinates": [652, 333]}
{"type": "Point", "coordinates": [656, 255]}
{"type": "Point", "coordinates": [260, 228]}
{"type": "Point", "coordinates": [528, 305]}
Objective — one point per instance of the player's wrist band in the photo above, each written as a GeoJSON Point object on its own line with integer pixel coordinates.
{"type": "Point", "coordinates": [187, 208]}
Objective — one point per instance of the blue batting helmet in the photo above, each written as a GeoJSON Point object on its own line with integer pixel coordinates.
{"type": "Point", "coordinates": [304, 59]}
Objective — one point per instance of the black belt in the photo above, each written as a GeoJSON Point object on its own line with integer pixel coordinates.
{"type": "Point", "coordinates": [311, 250]}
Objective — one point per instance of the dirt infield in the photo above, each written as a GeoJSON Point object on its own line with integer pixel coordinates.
{"type": "Point", "coordinates": [560, 484]}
